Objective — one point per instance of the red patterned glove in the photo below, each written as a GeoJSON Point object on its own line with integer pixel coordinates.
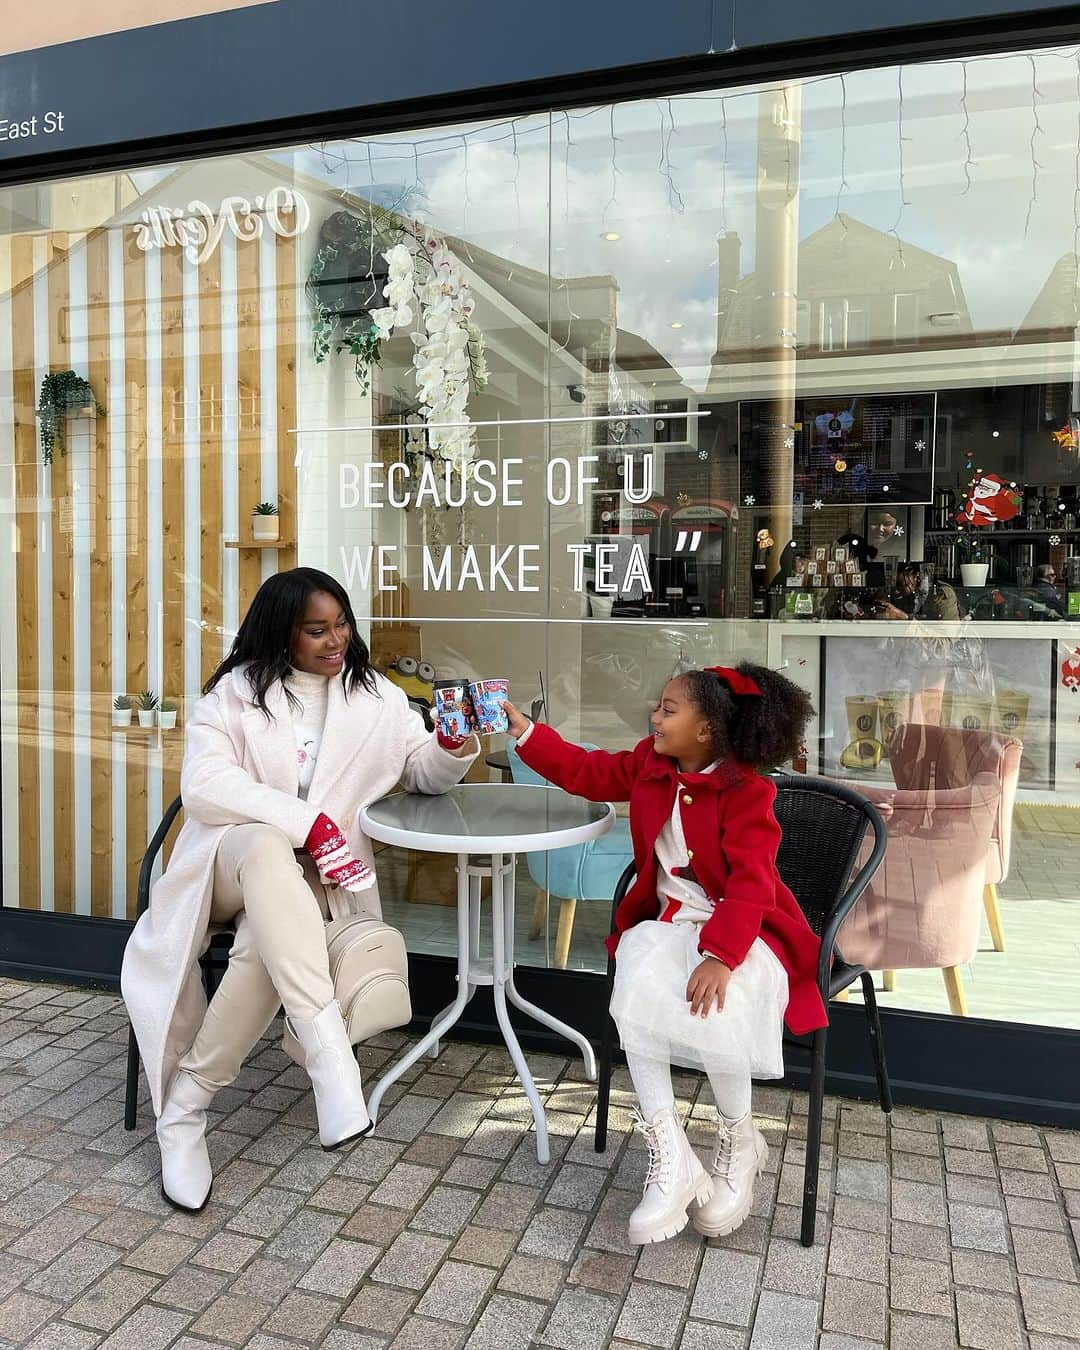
{"type": "Point", "coordinates": [449, 742]}
{"type": "Point", "coordinates": [337, 866]}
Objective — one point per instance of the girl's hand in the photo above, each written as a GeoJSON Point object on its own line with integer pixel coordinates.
{"type": "Point", "coordinates": [518, 722]}
{"type": "Point", "coordinates": [709, 982]}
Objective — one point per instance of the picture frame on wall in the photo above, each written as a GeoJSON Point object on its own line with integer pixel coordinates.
{"type": "Point", "coordinates": [888, 529]}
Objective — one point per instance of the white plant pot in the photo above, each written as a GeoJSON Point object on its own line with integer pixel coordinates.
{"type": "Point", "coordinates": [122, 717]}
{"type": "Point", "coordinates": [166, 720]}
{"type": "Point", "coordinates": [974, 574]}
{"type": "Point", "coordinates": [146, 719]}
{"type": "Point", "coordinates": [265, 529]}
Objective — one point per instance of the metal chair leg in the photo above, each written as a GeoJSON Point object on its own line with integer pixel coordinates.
{"type": "Point", "coordinates": [816, 1108]}
{"type": "Point", "coordinates": [877, 1043]}
{"type": "Point", "coordinates": [131, 1090]}
{"type": "Point", "coordinates": [607, 1051]}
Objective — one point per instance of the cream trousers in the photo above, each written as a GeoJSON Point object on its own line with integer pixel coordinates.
{"type": "Point", "coordinates": [278, 909]}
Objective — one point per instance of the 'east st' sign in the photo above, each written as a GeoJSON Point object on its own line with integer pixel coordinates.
{"type": "Point", "coordinates": [45, 125]}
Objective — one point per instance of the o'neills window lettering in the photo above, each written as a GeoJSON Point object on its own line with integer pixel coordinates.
{"type": "Point", "coordinates": [198, 231]}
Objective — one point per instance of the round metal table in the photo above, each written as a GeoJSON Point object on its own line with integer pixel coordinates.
{"type": "Point", "coordinates": [486, 825]}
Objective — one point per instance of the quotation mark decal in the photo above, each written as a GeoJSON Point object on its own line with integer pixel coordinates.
{"type": "Point", "coordinates": [681, 541]}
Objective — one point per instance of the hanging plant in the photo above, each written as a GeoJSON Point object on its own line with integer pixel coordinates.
{"type": "Point", "coordinates": [427, 295]}
{"type": "Point", "coordinates": [346, 277]}
{"type": "Point", "coordinates": [62, 393]}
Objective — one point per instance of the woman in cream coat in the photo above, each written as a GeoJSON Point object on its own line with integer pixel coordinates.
{"type": "Point", "coordinates": [295, 732]}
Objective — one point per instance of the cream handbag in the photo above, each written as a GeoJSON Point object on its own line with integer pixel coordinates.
{"type": "Point", "coordinates": [369, 966]}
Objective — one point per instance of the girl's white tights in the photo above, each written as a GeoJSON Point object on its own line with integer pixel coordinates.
{"type": "Point", "coordinates": [652, 1083]}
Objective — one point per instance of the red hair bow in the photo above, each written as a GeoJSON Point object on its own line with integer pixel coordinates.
{"type": "Point", "coordinates": [738, 684]}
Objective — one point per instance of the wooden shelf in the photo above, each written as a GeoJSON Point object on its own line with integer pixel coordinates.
{"type": "Point", "coordinates": [146, 731]}
{"type": "Point", "coordinates": [260, 543]}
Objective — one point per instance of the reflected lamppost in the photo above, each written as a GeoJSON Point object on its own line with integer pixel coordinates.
{"type": "Point", "coordinates": [776, 267]}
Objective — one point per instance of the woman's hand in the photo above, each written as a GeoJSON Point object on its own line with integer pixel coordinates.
{"type": "Point", "coordinates": [518, 722]}
{"type": "Point", "coordinates": [708, 983]}
{"type": "Point", "coordinates": [329, 848]}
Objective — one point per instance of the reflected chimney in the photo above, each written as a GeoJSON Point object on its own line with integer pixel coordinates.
{"type": "Point", "coordinates": [728, 249]}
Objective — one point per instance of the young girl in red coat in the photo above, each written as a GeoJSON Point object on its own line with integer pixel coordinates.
{"type": "Point", "coordinates": [713, 953]}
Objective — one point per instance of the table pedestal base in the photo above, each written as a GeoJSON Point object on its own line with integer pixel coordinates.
{"type": "Point", "coordinates": [496, 971]}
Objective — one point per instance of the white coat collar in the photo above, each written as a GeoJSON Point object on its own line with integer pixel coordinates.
{"type": "Point", "coordinates": [349, 723]}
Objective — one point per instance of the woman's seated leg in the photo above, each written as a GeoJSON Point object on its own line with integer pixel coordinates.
{"type": "Point", "coordinates": [278, 955]}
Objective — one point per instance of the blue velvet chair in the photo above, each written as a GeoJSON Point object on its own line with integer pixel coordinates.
{"type": "Point", "coordinates": [579, 872]}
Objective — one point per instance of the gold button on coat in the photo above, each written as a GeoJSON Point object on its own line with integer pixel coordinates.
{"type": "Point", "coordinates": [690, 854]}
{"type": "Point", "coordinates": [687, 799]}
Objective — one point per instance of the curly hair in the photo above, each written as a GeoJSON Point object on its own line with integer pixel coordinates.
{"type": "Point", "coordinates": [762, 731]}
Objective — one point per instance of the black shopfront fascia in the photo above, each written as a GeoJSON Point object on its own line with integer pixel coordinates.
{"type": "Point", "coordinates": [304, 70]}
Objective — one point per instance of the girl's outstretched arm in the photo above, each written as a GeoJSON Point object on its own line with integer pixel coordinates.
{"type": "Point", "coordinates": [598, 775]}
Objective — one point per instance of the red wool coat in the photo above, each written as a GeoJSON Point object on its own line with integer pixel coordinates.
{"type": "Point", "coordinates": [732, 837]}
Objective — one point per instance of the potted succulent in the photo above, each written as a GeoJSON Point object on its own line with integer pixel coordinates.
{"type": "Point", "coordinates": [167, 714]}
{"type": "Point", "coordinates": [122, 710]}
{"type": "Point", "coordinates": [62, 394]}
{"type": "Point", "coordinates": [147, 703]}
{"type": "Point", "coordinates": [264, 522]}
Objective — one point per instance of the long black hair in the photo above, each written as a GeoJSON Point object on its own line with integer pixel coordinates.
{"type": "Point", "coordinates": [763, 730]}
{"type": "Point", "coordinates": [265, 640]}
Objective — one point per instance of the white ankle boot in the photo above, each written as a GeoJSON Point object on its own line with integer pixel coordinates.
{"type": "Point", "coordinates": [186, 1177]}
{"type": "Point", "coordinates": [674, 1181]}
{"type": "Point", "coordinates": [740, 1155]}
{"type": "Point", "coordinates": [335, 1076]}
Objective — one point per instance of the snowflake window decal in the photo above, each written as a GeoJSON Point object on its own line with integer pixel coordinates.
{"type": "Point", "coordinates": [818, 504]}
{"type": "Point", "coordinates": [1055, 539]}
{"type": "Point", "coordinates": [749, 500]}
{"type": "Point", "coordinates": [920, 446]}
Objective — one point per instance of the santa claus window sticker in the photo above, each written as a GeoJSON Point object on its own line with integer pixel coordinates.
{"type": "Point", "coordinates": [990, 501]}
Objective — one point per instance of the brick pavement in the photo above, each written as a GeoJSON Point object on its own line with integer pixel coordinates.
{"type": "Point", "coordinates": [441, 1231]}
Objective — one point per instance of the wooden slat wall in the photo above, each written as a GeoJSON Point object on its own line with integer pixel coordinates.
{"type": "Point", "coordinates": [135, 438]}
{"type": "Point", "coordinates": [210, 451]}
{"type": "Point", "coordinates": [26, 566]}
{"type": "Point", "coordinates": [146, 755]}
{"type": "Point", "coordinates": [101, 608]}
{"type": "Point", "coordinates": [285, 257]}
{"type": "Point", "coordinates": [172, 490]}
{"type": "Point", "coordinates": [62, 634]}
{"type": "Point", "coordinates": [249, 382]}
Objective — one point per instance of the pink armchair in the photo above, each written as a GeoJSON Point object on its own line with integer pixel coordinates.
{"type": "Point", "coordinates": [923, 908]}
{"type": "Point", "coordinates": [923, 757]}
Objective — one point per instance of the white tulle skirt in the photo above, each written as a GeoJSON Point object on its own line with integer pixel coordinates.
{"type": "Point", "coordinates": [653, 964]}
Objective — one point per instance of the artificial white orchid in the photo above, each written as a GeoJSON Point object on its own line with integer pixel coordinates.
{"type": "Point", "coordinates": [427, 294]}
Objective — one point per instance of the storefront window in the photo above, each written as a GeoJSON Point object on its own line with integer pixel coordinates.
{"type": "Point", "coordinates": [787, 372]}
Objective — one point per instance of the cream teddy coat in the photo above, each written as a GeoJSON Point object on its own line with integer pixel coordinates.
{"type": "Point", "coordinates": [239, 767]}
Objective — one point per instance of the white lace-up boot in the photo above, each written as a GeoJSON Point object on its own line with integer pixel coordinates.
{"type": "Point", "coordinates": [186, 1177]}
{"type": "Point", "coordinates": [741, 1152]}
{"type": "Point", "coordinates": [335, 1077]}
{"type": "Point", "coordinates": [675, 1179]}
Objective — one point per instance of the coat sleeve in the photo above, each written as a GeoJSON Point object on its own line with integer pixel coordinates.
{"type": "Point", "coordinates": [427, 767]}
{"type": "Point", "coordinates": [598, 775]}
{"type": "Point", "coordinates": [750, 843]}
{"type": "Point", "coordinates": [217, 790]}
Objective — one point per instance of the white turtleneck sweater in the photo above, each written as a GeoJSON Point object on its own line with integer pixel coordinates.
{"type": "Point", "coordinates": [308, 720]}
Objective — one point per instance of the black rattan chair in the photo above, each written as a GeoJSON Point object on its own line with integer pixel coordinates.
{"type": "Point", "coordinates": [823, 826]}
{"type": "Point", "coordinates": [213, 960]}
